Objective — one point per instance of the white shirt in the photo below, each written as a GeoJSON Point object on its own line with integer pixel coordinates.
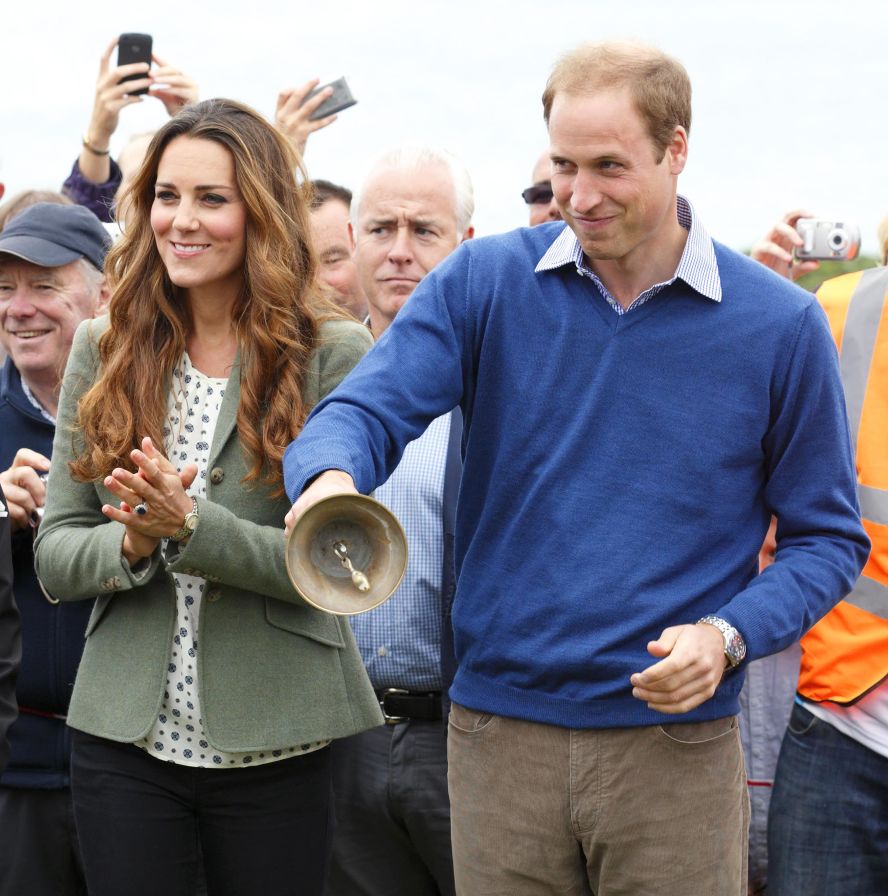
{"type": "Point", "coordinates": [178, 734]}
{"type": "Point", "coordinates": [865, 720]}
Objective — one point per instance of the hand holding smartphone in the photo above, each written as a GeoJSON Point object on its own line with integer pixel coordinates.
{"type": "Point", "coordinates": [134, 48]}
{"type": "Point", "coordinates": [340, 99]}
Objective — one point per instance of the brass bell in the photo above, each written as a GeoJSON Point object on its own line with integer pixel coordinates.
{"type": "Point", "coordinates": [346, 554]}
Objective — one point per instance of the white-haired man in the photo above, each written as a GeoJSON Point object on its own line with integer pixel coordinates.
{"type": "Point", "coordinates": [390, 784]}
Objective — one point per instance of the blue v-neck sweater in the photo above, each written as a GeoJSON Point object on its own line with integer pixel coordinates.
{"type": "Point", "coordinates": [620, 471]}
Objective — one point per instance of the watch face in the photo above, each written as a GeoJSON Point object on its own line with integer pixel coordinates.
{"type": "Point", "coordinates": [190, 522]}
{"type": "Point", "coordinates": [734, 647]}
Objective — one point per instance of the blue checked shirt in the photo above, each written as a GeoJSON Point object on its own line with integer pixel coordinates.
{"type": "Point", "coordinates": [400, 642]}
{"type": "Point", "coordinates": [697, 267]}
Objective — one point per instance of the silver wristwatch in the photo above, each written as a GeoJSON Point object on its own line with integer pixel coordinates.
{"type": "Point", "coordinates": [189, 524]}
{"type": "Point", "coordinates": [735, 646]}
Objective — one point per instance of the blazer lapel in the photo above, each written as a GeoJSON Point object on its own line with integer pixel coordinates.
{"type": "Point", "coordinates": [227, 421]}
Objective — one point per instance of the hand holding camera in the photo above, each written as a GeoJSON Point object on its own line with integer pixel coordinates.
{"type": "Point", "coordinates": [798, 243]}
{"type": "Point", "coordinates": [775, 249]}
{"type": "Point", "coordinates": [24, 488]}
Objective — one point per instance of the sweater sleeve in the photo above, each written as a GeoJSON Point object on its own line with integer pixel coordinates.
{"type": "Point", "coordinates": [415, 373]}
{"type": "Point", "coordinates": [98, 198]}
{"type": "Point", "coordinates": [811, 488]}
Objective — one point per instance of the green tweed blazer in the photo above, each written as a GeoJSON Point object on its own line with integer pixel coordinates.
{"type": "Point", "coordinates": [272, 671]}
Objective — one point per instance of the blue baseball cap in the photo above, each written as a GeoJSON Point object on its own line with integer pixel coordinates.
{"type": "Point", "coordinates": [51, 235]}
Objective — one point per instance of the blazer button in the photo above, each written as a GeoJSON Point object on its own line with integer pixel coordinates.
{"type": "Point", "coordinates": [214, 594]}
{"type": "Point", "coordinates": [217, 474]}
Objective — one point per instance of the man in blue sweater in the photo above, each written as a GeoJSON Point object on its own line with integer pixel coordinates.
{"type": "Point", "coordinates": [51, 258]}
{"type": "Point", "coordinates": [638, 401]}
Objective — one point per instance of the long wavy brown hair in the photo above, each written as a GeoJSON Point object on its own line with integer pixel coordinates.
{"type": "Point", "coordinates": [275, 316]}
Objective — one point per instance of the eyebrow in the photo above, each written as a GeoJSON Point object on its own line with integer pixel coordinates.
{"type": "Point", "coordinates": [163, 183]}
{"type": "Point", "coordinates": [611, 153]}
{"type": "Point", "coordinates": [46, 275]}
{"type": "Point", "coordinates": [414, 222]}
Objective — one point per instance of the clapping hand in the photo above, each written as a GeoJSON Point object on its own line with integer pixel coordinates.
{"type": "Point", "coordinates": [160, 489]}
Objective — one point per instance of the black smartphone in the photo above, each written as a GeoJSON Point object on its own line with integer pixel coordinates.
{"type": "Point", "coordinates": [134, 48]}
{"type": "Point", "coordinates": [340, 99]}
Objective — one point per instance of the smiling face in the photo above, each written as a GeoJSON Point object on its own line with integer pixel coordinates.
{"type": "Point", "coordinates": [40, 308]}
{"type": "Point", "coordinates": [406, 225]}
{"type": "Point", "coordinates": [612, 187]}
{"type": "Point", "coordinates": [199, 220]}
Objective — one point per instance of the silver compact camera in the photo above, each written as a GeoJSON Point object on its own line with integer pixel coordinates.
{"type": "Point", "coordinates": [827, 240]}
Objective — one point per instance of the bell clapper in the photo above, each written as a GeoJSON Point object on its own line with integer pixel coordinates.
{"type": "Point", "coordinates": [359, 580]}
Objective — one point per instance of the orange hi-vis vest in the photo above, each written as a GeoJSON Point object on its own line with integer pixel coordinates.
{"type": "Point", "coordinates": [845, 655]}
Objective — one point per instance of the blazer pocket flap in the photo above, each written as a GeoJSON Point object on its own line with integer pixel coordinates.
{"type": "Point", "coordinates": [98, 611]}
{"type": "Point", "coordinates": [304, 620]}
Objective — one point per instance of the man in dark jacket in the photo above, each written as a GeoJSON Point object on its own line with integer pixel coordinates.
{"type": "Point", "coordinates": [51, 259]}
{"type": "Point", "coordinates": [10, 637]}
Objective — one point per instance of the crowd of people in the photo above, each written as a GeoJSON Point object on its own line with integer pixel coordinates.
{"type": "Point", "coordinates": [645, 499]}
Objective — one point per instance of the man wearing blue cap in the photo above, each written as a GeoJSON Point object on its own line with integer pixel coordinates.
{"type": "Point", "coordinates": [51, 259]}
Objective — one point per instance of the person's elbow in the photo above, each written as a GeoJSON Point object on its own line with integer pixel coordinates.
{"type": "Point", "coordinates": [860, 548]}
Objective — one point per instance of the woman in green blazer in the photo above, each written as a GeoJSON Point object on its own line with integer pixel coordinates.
{"type": "Point", "coordinates": [208, 689]}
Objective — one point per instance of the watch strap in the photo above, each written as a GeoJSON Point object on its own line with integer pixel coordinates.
{"type": "Point", "coordinates": [189, 523]}
{"type": "Point", "coordinates": [735, 646]}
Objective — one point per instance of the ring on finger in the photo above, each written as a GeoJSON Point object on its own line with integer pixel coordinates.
{"type": "Point", "coordinates": [141, 508]}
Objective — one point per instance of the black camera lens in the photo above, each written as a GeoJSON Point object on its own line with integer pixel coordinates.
{"type": "Point", "coordinates": [837, 240]}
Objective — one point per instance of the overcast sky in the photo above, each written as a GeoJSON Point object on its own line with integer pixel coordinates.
{"type": "Point", "coordinates": [790, 98]}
